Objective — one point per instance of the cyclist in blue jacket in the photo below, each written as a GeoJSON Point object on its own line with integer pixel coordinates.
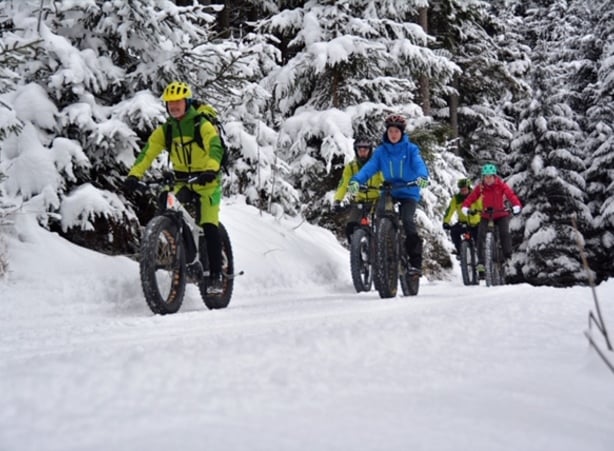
{"type": "Point", "coordinates": [400, 161]}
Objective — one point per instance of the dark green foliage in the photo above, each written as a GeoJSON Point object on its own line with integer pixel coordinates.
{"type": "Point", "coordinates": [531, 80]}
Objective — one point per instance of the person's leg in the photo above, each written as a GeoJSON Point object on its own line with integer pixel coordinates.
{"type": "Point", "coordinates": [413, 241]}
{"type": "Point", "coordinates": [474, 233]}
{"type": "Point", "coordinates": [209, 220]}
{"type": "Point", "coordinates": [503, 224]}
{"type": "Point", "coordinates": [481, 237]}
{"type": "Point", "coordinates": [455, 234]}
{"type": "Point", "coordinates": [354, 216]}
{"type": "Point", "coordinates": [214, 247]}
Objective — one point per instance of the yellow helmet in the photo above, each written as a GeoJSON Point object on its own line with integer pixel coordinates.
{"type": "Point", "coordinates": [177, 90]}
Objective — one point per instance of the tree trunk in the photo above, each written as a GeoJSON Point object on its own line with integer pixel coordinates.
{"type": "Point", "coordinates": [335, 88]}
{"type": "Point", "coordinates": [223, 19]}
{"type": "Point", "coordinates": [425, 96]}
{"type": "Point", "coordinates": [453, 104]}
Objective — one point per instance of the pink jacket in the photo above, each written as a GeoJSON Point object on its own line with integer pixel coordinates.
{"type": "Point", "coordinates": [493, 196]}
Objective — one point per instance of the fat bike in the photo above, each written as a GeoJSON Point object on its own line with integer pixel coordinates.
{"type": "Point", "coordinates": [173, 253]}
{"type": "Point", "coordinates": [391, 262]}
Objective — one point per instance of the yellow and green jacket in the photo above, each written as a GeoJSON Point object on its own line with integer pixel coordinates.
{"type": "Point", "coordinates": [456, 205]}
{"type": "Point", "coordinates": [348, 172]}
{"type": "Point", "coordinates": [185, 153]}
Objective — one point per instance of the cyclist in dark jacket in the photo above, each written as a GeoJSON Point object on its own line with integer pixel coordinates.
{"type": "Point", "coordinates": [400, 161]}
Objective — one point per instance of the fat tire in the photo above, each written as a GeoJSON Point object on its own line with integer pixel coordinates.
{"type": "Point", "coordinates": [492, 265]}
{"type": "Point", "coordinates": [162, 266]}
{"type": "Point", "coordinates": [386, 271]}
{"type": "Point", "coordinates": [362, 272]}
{"type": "Point", "coordinates": [228, 268]}
{"type": "Point", "coordinates": [468, 263]}
{"type": "Point", "coordinates": [499, 263]}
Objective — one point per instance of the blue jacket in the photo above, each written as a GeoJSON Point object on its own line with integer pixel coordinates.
{"type": "Point", "coordinates": [400, 162]}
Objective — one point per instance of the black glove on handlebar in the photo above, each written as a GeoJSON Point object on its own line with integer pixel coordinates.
{"type": "Point", "coordinates": [446, 226]}
{"type": "Point", "coordinates": [131, 183]}
{"type": "Point", "coordinates": [206, 177]}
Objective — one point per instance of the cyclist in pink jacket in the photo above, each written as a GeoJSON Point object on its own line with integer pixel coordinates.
{"type": "Point", "coordinates": [494, 192]}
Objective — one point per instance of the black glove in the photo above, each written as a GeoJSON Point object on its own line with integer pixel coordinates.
{"type": "Point", "coordinates": [206, 177]}
{"type": "Point", "coordinates": [337, 207]}
{"type": "Point", "coordinates": [446, 226]}
{"type": "Point", "coordinates": [131, 183]}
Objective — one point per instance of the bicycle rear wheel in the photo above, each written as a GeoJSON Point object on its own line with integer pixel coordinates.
{"type": "Point", "coordinates": [386, 272]}
{"type": "Point", "coordinates": [162, 266]}
{"type": "Point", "coordinates": [222, 300]}
{"type": "Point", "coordinates": [360, 263]}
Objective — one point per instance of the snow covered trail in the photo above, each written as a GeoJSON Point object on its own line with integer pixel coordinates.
{"type": "Point", "coordinates": [325, 371]}
{"type": "Point", "coordinates": [84, 365]}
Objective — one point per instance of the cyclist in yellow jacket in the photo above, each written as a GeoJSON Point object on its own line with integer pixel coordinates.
{"type": "Point", "coordinates": [363, 150]}
{"type": "Point", "coordinates": [471, 221]}
{"type": "Point", "coordinates": [189, 160]}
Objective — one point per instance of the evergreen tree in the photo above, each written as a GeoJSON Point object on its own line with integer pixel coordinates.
{"type": "Point", "coordinates": [103, 67]}
{"type": "Point", "coordinates": [599, 145]}
{"type": "Point", "coordinates": [14, 51]}
{"type": "Point", "coordinates": [548, 162]}
{"type": "Point", "coordinates": [349, 64]}
{"type": "Point", "coordinates": [487, 50]}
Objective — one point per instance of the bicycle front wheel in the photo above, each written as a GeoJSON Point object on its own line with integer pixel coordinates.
{"type": "Point", "coordinates": [468, 263]}
{"type": "Point", "coordinates": [162, 266]}
{"type": "Point", "coordinates": [386, 272]}
{"type": "Point", "coordinates": [493, 266]}
{"type": "Point", "coordinates": [360, 260]}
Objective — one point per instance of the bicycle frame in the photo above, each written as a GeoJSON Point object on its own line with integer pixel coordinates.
{"type": "Point", "coordinates": [185, 222]}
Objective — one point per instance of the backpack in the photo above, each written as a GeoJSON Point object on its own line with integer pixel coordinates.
{"type": "Point", "coordinates": [209, 113]}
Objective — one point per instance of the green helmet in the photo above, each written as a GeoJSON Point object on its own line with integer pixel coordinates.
{"type": "Point", "coordinates": [489, 169]}
{"type": "Point", "coordinates": [464, 183]}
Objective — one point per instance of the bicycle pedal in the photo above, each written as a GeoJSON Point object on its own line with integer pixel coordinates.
{"type": "Point", "coordinates": [414, 272]}
{"type": "Point", "coordinates": [194, 272]}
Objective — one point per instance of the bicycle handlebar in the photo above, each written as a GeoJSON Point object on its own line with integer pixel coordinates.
{"type": "Point", "coordinates": [490, 211]}
{"type": "Point", "coordinates": [367, 188]}
{"type": "Point", "coordinates": [169, 178]}
{"type": "Point", "coordinates": [390, 186]}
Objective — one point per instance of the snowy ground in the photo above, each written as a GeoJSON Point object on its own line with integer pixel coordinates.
{"type": "Point", "coordinates": [297, 362]}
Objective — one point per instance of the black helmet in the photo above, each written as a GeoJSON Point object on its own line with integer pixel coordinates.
{"type": "Point", "coordinates": [396, 120]}
{"type": "Point", "coordinates": [464, 183]}
{"type": "Point", "coordinates": [362, 142]}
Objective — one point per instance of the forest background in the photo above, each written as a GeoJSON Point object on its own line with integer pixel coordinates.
{"type": "Point", "coordinates": [528, 85]}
